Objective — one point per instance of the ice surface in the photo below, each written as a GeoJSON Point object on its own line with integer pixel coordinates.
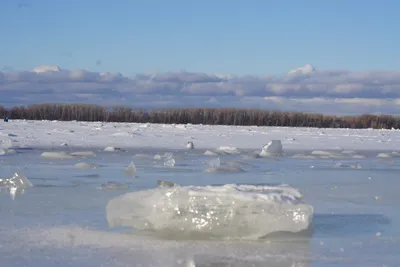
{"type": "Point", "coordinates": [228, 212]}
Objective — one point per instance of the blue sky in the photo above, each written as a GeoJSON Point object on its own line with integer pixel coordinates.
{"type": "Point", "coordinates": [240, 37]}
{"type": "Point", "coordinates": [352, 45]}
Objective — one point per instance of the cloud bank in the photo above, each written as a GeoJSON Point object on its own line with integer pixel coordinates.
{"type": "Point", "coordinates": [302, 89]}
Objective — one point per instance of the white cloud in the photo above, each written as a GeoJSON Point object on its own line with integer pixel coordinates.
{"type": "Point", "coordinates": [303, 89]}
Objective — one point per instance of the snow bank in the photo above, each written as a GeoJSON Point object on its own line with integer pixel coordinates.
{"type": "Point", "coordinates": [46, 134]}
{"type": "Point", "coordinates": [228, 212]}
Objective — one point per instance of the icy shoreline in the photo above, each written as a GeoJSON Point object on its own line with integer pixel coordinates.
{"type": "Point", "coordinates": [98, 135]}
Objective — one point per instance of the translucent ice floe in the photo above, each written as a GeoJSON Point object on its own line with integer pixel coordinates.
{"type": "Point", "coordinates": [112, 149]}
{"type": "Point", "coordinates": [166, 183]}
{"type": "Point", "coordinates": [229, 150]}
{"type": "Point", "coordinates": [85, 165]}
{"type": "Point", "coordinates": [216, 166]}
{"type": "Point", "coordinates": [18, 180]}
{"type": "Point", "coordinates": [214, 163]}
{"type": "Point", "coordinates": [7, 151]}
{"type": "Point", "coordinates": [169, 160]}
{"type": "Point", "coordinates": [57, 155]}
{"type": "Point", "coordinates": [131, 170]}
{"type": "Point", "coordinates": [345, 165]}
{"type": "Point", "coordinates": [84, 154]}
{"type": "Point", "coordinates": [273, 148]}
{"type": "Point", "coordinates": [112, 186]}
{"type": "Point", "coordinates": [226, 212]}
{"type": "Point", "coordinates": [17, 183]}
{"type": "Point", "coordinates": [210, 153]}
{"type": "Point", "coordinates": [190, 145]}
{"type": "Point", "coordinates": [384, 155]}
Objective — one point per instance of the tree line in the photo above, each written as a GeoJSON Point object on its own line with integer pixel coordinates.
{"type": "Point", "coordinates": [209, 116]}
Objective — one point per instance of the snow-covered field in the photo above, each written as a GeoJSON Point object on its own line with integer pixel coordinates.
{"type": "Point", "coordinates": [234, 198]}
{"type": "Point", "coordinates": [36, 134]}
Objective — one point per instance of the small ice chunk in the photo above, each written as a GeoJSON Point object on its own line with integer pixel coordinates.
{"type": "Point", "coordinates": [113, 186]}
{"type": "Point", "coordinates": [302, 156]}
{"type": "Point", "coordinates": [321, 153]}
{"type": "Point", "coordinates": [11, 151]}
{"type": "Point", "coordinates": [170, 162]}
{"type": "Point", "coordinates": [84, 154]}
{"type": "Point", "coordinates": [6, 143]}
{"type": "Point", "coordinates": [131, 170]}
{"type": "Point", "coordinates": [229, 150]}
{"type": "Point", "coordinates": [166, 183]}
{"type": "Point", "coordinates": [190, 145]}
{"type": "Point", "coordinates": [273, 148]}
{"type": "Point", "coordinates": [348, 152]}
{"type": "Point", "coordinates": [18, 181]}
{"type": "Point", "coordinates": [112, 149]}
{"type": "Point", "coordinates": [384, 155]}
{"type": "Point", "coordinates": [359, 157]}
{"type": "Point", "coordinates": [57, 155]}
{"type": "Point", "coordinates": [356, 166]}
{"type": "Point", "coordinates": [214, 163]}
{"type": "Point", "coordinates": [85, 165]}
{"type": "Point", "coordinates": [342, 165]}
{"type": "Point", "coordinates": [210, 153]}
{"type": "Point", "coordinates": [122, 134]}
{"type": "Point", "coordinates": [224, 169]}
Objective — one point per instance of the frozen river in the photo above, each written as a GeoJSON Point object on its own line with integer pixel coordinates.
{"type": "Point", "coordinates": [63, 219]}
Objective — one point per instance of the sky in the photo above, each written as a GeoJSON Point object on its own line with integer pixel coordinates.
{"type": "Point", "coordinates": [162, 53]}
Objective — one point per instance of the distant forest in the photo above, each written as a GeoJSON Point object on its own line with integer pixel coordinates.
{"type": "Point", "coordinates": [209, 116]}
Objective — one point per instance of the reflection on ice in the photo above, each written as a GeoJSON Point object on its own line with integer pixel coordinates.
{"type": "Point", "coordinates": [133, 250]}
{"type": "Point", "coordinates": [217, 212]}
